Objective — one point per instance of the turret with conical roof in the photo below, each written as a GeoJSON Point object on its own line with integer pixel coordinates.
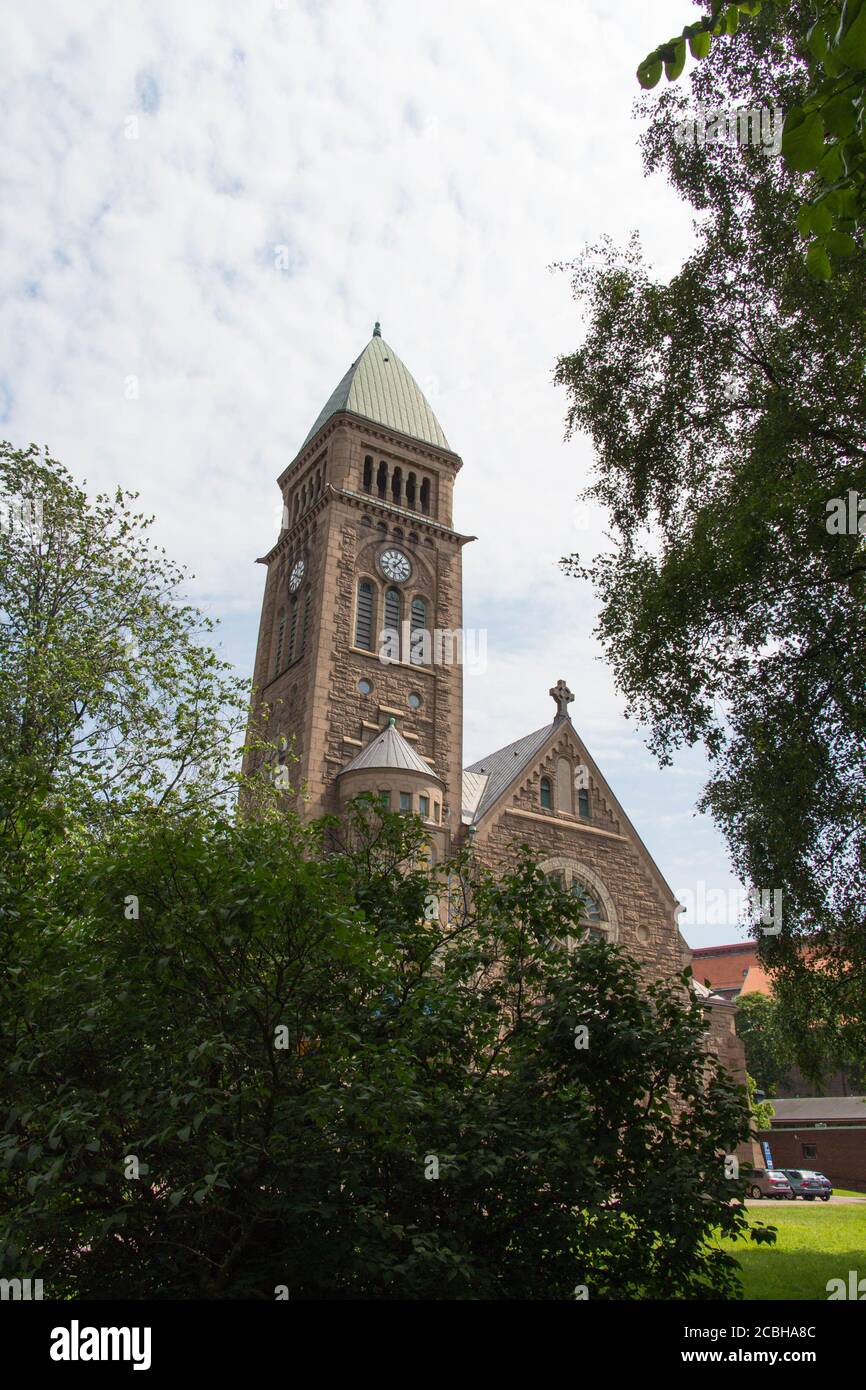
{"type": "Point", "coordinates": [389, 752]}
{"type": "Point", "coordinates": [390, 770]}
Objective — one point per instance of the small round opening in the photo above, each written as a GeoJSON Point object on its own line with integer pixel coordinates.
{"type": "Point", "coordinates": [365, 686]}
{"type": "Point", "coordinates": [414, 701]}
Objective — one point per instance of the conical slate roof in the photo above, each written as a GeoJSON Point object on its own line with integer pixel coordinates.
{"type": "Point", "coordinates": [389, 749]}
{"type": "Point", "coordinates": [379, 387]}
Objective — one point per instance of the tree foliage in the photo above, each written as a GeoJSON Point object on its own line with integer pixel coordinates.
{"type": "Point", "coordinates": [769, 1056]}
{"type": "Point", "coordinates": [762, 1110]}
{"type": "Point", "coordinates": [111, 696]}
{"type": "Point", "coordinates": [825, 133]}
{"type": "Point", "coordinates": [327, 1095]}
{"type": "Point", "coordinates": [728, 410]}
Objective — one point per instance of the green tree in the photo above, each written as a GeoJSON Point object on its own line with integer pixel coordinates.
{"type": "Point", "coordinates": [728, 410]}
{"type": "Point", "coordinates": [769, 1058]}
{"type": "Point", "coordinates": [762, 1110]}
{"type": "Point", "coordinates": [826, 134]}
{"type": "Point", "coordinates": [236, 1058]}
{"type": "Point", "coordinates": [111, 696]}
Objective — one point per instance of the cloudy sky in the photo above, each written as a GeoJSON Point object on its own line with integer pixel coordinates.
{"type": "Point", "coordinates": [207, 205]}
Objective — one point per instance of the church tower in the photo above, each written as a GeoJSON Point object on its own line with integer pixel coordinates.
{"type": "Point", "coordinates": [352, 668]}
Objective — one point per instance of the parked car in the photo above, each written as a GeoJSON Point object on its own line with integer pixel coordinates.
{"type": "Point", "coordinates": [827, 1186]}
{"type": "Point", "coordinates": [769, 1182]}
{"type": "Point", "coordinates": [807, 1184]}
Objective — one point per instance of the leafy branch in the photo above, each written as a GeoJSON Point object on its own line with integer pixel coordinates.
{"type": "Point", "coordinates": [826, 135]}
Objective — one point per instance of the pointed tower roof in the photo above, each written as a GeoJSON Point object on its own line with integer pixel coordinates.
{"type": "Point", "coordinates": [379, 387]}
{"type": "Point", "coordinates": [389, 749]}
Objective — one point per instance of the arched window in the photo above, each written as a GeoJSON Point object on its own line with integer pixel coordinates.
{"type": "Point", "coordinates": [368, 474]}
{"type": "Point", "coordinates": [593, 913]}
{"type": "Point", "coordinates": [583, 804]}
{"type": "Point", "coordinates": [410, 491]}
{"type": "Point", "coordinates": [425, 495]}
{"type": "Point", "coordinates": [546, 799]}
{"type": "Point", "coordinates": [306, 621]}
{"type": "Point", "coordinates": [393, 608]}
{"type": "Point", "coordinates": [382, 479]}
{"type": "Point", "coordinates": [364, 616]}
{"type": "Point", "coordinates": [563, 786]}
{"type": "Point", "coordinates": [281, 632]}
{"type": "Point", "coordinates": [293, 630]}
{"type": "Point", "coordinates": [599, 912]}
{"type": "Point", "coordinates": [397, 485]}
{"type": "Point", "coordinates": [419, 625]}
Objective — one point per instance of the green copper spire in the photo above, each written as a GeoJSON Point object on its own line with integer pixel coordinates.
{"type": "Point", "coordinates": [379, 387]}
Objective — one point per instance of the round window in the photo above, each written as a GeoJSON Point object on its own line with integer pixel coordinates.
{"type": "Point", "coordinates": [365, 686]}
{"type": "Point", "coordinates": [414, 701]}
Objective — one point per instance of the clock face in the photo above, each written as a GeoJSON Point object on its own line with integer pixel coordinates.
{"type": "Point", "coordinates": [296, 575]}
{"type": "Point", "coordinates": [395, 565]}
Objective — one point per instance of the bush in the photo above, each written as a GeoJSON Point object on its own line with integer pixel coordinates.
{"type": "Point", "coordinates": [233, 1060]}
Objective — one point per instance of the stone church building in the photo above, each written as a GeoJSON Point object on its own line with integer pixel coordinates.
{"type": "Point", "coordinates": [357, 669]}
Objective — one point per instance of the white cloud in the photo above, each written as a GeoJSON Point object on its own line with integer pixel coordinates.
{"type": "Point", "coordinates": [421, 164]}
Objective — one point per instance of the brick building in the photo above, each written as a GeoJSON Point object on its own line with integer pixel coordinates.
{"type": "Point", "coordinates": [827, 1133]}
{"type": "Point", "coordinates": [731, 970]}
{"type": "Point", "coordinates": [368, 546]}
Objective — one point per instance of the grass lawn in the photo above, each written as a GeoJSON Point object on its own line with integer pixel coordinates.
{"type": "Point", "coordinates": [814, 1242]}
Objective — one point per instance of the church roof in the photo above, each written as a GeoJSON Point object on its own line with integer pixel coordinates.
{"type": "Point", "coordinates": [389, 749]}
{"type": "Point", "coordinates": [473, 790]}
{"type": "Point", "coordinates": [499, 769]}
{"type": "Point", "coordinates": [379, 387]}
{"type": "Point", "coordinates": [821, 1108]}
{"type": "Point", "coordinates": [705, 993]}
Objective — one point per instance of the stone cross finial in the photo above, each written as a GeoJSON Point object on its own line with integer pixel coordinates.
{"type": "Point", "coordinates": [563, 697]}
